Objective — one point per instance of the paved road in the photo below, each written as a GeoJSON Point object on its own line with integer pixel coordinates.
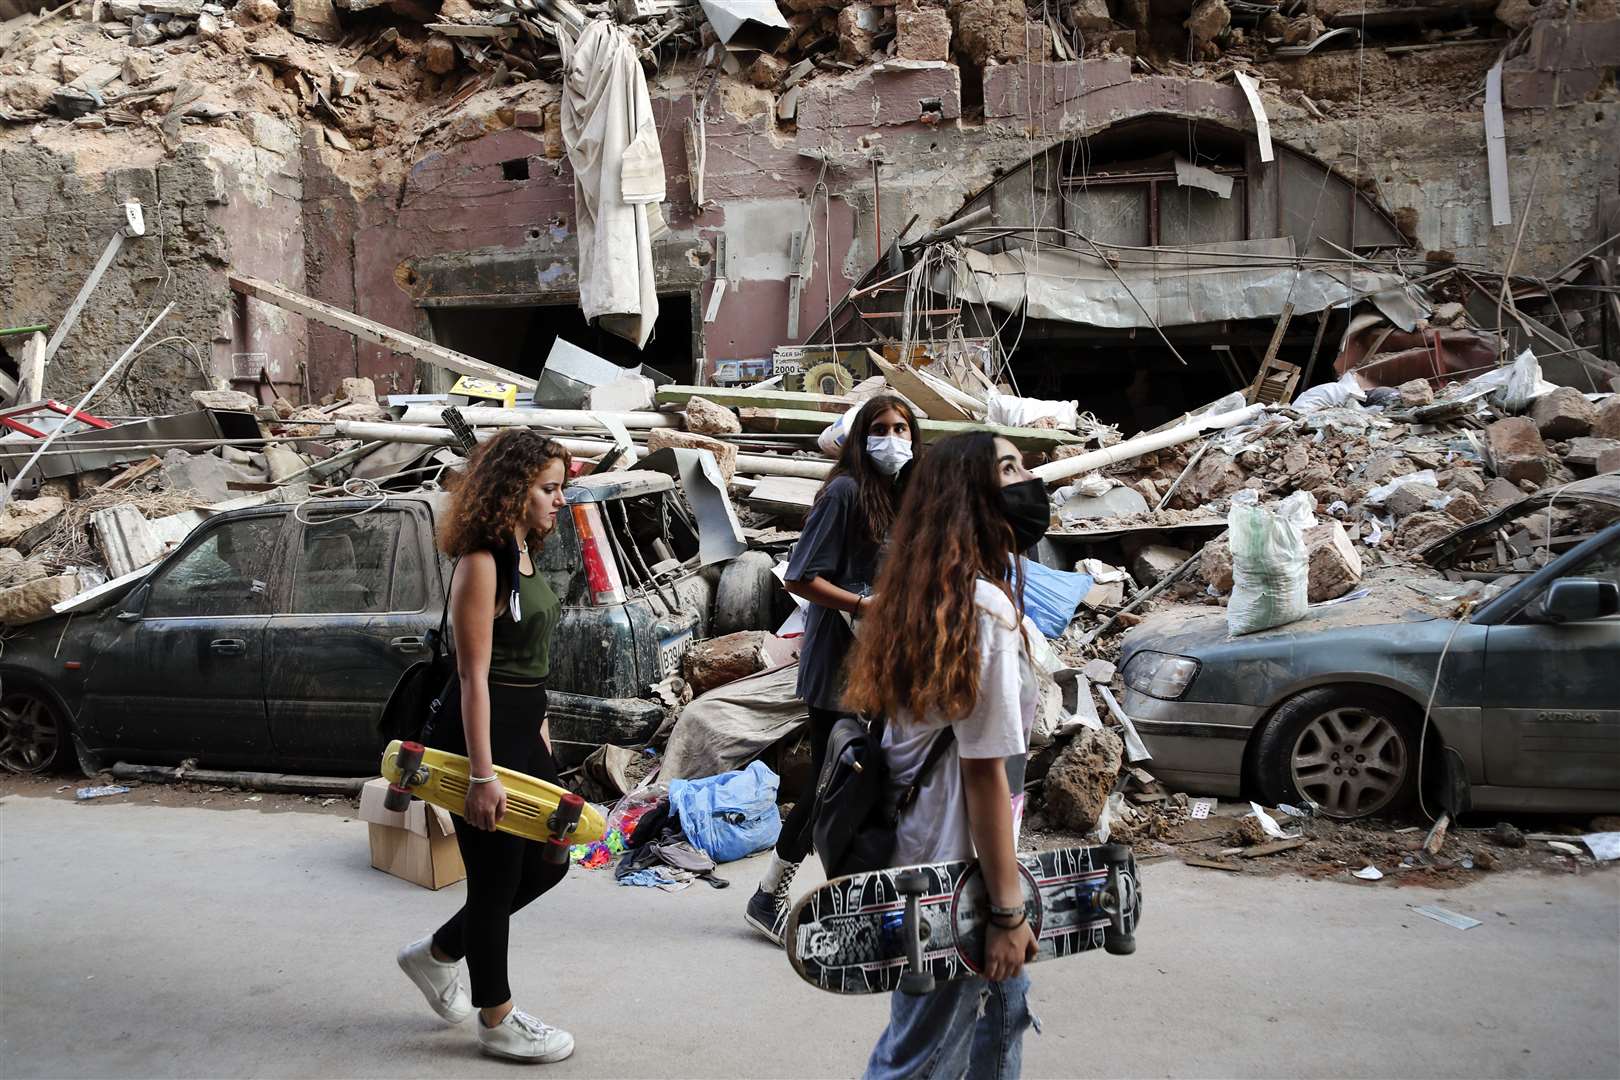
{"type": "Point", "coordinates": [144, 941]}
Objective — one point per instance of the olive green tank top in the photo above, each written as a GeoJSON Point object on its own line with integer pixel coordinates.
{"type": "Point", "coordinates": [520, 651]}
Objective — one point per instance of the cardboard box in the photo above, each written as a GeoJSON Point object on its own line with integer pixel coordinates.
{"type": "Point", "coordinates": [417, 844]}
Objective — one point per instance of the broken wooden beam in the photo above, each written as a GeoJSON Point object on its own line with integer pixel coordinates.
{"type": "Point", "coordinates": [375, 332]}
{"type": "Point", "coordinates": [741, 397]}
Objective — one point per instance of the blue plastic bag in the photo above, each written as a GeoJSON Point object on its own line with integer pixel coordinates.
{"type": "Point", "coordinates": [729, 816]}
{"type": "Point", "coordinates": [1051, 596]}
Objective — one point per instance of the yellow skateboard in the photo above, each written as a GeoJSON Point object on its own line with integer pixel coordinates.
{"type": "Point", "coordinates": [535, 809]}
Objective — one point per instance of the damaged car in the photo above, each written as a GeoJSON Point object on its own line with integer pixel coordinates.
{"type": "Point", "coordinates": [1349, 712]}
{"type": "Point", "coordinates": [272, 636]}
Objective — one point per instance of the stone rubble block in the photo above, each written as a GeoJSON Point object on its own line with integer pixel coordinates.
{"type": "Point", "coordinates": [1517, 452]}
{"type": "Point", "coordinates": [718, 661]}
{"type": "Point", "coordinates": [23, 514]}
{"type": "Point", "coordinates": [1082, 778]}
{"type": "Point", "coordinates": [923, 35]}
{"type": "Point", "coordinates": [704, 417]}
{"type": "Point", "coordinates": [1156, 562]}
{"type": "Point", "coordinates": [1335, 565]}
{"type": "Point", "coordinates": [33, 600]}
{"type": "Point", "coordinates": [1563, 414]}
{"type": "Point", "coordinates": [725, 453]}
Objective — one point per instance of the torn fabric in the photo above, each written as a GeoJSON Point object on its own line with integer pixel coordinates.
{"type": "Point", "coordinates": [1244, 279]}
{"type": "Point", "coordinates": [612, 144]}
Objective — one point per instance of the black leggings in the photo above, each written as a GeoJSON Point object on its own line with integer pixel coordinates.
{"type": "Point", "coordinates": [794, 843]}
{"type": "Point", "coordinates": [504, 872]}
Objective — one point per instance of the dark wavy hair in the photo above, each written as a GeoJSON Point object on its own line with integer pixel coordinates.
{"type": "Point", "coordinates": [875, 490]}
{"type": "Point", "coordinates": [489, 497]}
{"type": "Point", "coordinates": [918, 650]}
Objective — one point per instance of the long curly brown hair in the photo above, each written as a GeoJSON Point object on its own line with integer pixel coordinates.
{"type": "Point", "coordinates": [490, 497]}
{"type": "Point", "coordinates": [918, 651]}
{"type": "Point", "coordinates": [875, 491]}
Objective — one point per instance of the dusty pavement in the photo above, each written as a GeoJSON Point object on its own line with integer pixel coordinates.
{"type": "Point", "coordinates": [150, 940]}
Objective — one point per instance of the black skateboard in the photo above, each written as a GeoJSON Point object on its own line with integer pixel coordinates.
{"type": "Point", "coordinates": [911, 927]}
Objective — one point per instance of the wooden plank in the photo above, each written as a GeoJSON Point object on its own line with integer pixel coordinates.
{"type": "Point", "coordinates": [374, 332]}
{"type": "Point", "coordinates": [802, 422]}
{"type": "Point", "coordinates": [472, 30]}
{"type": "Point", "coordinates": [1273, 848]}
{"type": "Point", "coordinates": [738, 397]}
{"type": "Point", "coordinates": [925, 397]}
{"type": "Point", "coordinates": [110, 253]}
{"type": "Point", "coordinates": [133, 473]}
{"type": "Point", "coordinates": [31, 369]}
{"type": "Point", "coordinates": [1212, 864]}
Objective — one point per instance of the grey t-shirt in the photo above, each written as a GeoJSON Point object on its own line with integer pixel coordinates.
{"type": "Point", "coordinates": [834, 546]}
{"type": "Point", "coordinates": [935, 827]}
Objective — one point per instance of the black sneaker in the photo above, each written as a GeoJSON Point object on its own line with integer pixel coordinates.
{"type": "Point", "coordinates": [767, 914]}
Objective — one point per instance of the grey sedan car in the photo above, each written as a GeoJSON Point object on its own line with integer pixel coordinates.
{"type": "Point", "coordinates": [1527, 697]}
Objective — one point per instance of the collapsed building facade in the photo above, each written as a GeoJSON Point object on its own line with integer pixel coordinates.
{"type": "Point", "coordinates": [1123, 199]}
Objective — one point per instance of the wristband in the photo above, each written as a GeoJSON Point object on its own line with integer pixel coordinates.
{"type": "Point", "coordinates": [1022, 919]}
{"type": "Point", "coordinates": [1007, 912]}
{"type": "Point", "coordinates": [490, 779]}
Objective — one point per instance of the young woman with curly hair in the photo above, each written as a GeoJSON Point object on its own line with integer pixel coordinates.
{"type": "Point", "coordinates": [944, 654]}
{"type": "Point", "coordinates": [833, 566]}
{"type": "Point", "coordinates": [503, 615]}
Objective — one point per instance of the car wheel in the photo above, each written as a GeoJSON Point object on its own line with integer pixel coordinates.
{"type": "Point", "coordinates": [32, 734]}
{"type": "Point", "coordinates": [745, 599]}
{"type": "Point", "coordinates": [1351, 751]}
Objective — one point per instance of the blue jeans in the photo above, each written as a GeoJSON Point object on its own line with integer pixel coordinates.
{"type": "Point", "coordinates": [971, 1028]}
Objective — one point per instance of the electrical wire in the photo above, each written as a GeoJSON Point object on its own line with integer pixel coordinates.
{"type": "Point", "coordinates": [353, 488]}
{"type": "Point", "coordinates": [1428, 709]}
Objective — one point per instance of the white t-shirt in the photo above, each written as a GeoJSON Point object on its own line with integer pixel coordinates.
{"type": "Point", "coordinates": [935, 827]}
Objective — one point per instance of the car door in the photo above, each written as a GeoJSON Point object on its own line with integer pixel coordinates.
{"type": "Point", "coordinates": [181, 673]}
{"type": "Point", "coordinates": [1551, 692]}
{"type": "Point", "coordinates": [363, 592]}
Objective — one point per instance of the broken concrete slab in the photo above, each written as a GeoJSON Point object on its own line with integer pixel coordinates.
{"type": "Point", "coordinates": [316, 20]}
{"type": "Point", "coordinates": [1421, 530]}
{"type": "Point", "coordinates": [207, 475]}
{"type": "Point", "coordinates": [1607, 424]}
{"type": "Point", "coordinates": [1215, 565]}
{"type": "Point", "coordinates": [16, 569]}
{"type": "Point", "coordinates": [1417, 392]}
{"type": "Point", "coordinates": [33, 600]}
{"type": "Point", "coordinates": [1409, 499]}
{"type": "Point", "coordinates": [1118, 502]}
{"type": "Point", "coordinates": [1099, 671]}
{"type": "Point", "coordinates": [1156, 562]}
{"type": "Point", "coordinates": [126, 539]}
{"type": "Point", "coordinates": [1585, 452]}
{"type": "Point", "coordinates": [1500, 492]}
{"type": "Point", "coordinates": [229, 400]}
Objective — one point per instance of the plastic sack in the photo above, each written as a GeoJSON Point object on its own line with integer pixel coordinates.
{"type": "Point", "coordinates": [729, 816]}
{"type": "Point", "coordinates": [1270, 571]}
{"type": "Point", "coordinates": [1051, 596]}
{"type": "Point", "coordinates": [1522, 385]}
{"type": "Point", "coordinates": [1332, 395]}
{"type": "Point", "coordinates": [1023, 412]}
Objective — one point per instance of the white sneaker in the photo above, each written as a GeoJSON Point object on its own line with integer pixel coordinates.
{"type": "Point", "coordinates": [522, 1037]}
{"type": "Point", "coordinates": [440, 983]}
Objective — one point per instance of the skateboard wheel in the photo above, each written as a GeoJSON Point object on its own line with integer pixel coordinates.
{"type": "Point", "coordinates": [917, 982]}
{"type": "Point", "coordinates": [1117, 943]}
{"type": "Point", "coordinates": [397, 799]}
{"type": "Point", "coordinates": [911, 883]}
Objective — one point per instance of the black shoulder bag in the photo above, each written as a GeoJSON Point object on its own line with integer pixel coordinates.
{"type": "Point", "coordinates": [858, 806]}
{"type": "Point", "coordinates": [423, 688]}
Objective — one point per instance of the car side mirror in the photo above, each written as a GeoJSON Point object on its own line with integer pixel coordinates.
{"type": "Point", "coordinates": [134, 605]}
{"type": "Point", "coordinates": [1580, 600]}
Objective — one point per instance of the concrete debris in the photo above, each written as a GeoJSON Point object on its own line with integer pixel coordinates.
{"type": "Point", "coordinates": [33, 600]}
{"type": "Point", "coordinates": [704, 417]}
{"type": "Point", "coordinates": [1517, 452]}
{"type": "Point", "coordinates": [1563, 414]}
{"type": "Point", "coordinates": [21, 515]}
{"type": "Point", "coordinates": [725, 453]}
{"type": "Point", "coordinates": [924, 34]}
{"type": "Point", "coordinates": [1081, 779]}
{"type": "Point", "coordinates": [1335, 565]}
{"type": "Point", "coordinates": [1156, 562]}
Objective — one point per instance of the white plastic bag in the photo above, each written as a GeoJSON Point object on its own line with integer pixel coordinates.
{"type": "Point", "coordinates": [1332, 395]}
{"type": "Point", "coordinates": [1022, 412]}
{"type": "Point", "coordinates": [1377, 495]}
{"type": "Point", "coordinates": [1521, 385]}
{"type": "Point", "coordinates": [1270, 572]}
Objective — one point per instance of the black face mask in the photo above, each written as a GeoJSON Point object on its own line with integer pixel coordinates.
{"type": "Point", "coordinates": [1028, 512]}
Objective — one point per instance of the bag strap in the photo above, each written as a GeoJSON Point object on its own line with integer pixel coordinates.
{"type": "Point", "coordinates": [942, 743]}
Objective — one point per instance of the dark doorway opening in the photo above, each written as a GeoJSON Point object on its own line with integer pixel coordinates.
{"type": "Point", "coordinates": [520, 338]}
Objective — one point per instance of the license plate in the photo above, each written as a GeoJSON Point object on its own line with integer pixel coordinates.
{"type": "Point", "coordinates": [671, 650]}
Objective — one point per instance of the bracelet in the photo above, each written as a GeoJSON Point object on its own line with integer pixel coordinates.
{"type": "Point", "coordinates": [1023, 918]}
{"type": "Point", "coordinates": [1007, 912]}
{"type": "Point", "coordinates": [490, 779]}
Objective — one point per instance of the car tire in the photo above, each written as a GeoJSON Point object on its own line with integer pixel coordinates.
{"type": "Point", "coordinates": [33, 734]}
{"type": "Point", "coordinates": [1350, 750]}
{"type": "Point", "coordinates": [745, 598]}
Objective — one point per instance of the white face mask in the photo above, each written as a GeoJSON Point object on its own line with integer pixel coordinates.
{"type": "Point", "coordinates": [888, 452]}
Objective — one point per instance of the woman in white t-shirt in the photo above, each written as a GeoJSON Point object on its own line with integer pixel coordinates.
{"type": "Point", "coordinates": [947, 646]}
